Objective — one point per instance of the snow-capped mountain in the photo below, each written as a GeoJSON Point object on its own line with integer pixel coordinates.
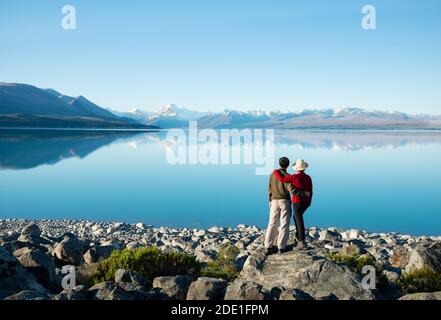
{"type": "Point", "coordinates": [169, 116]}
{"type": "Point", "coordinates": [138, 115]}
{"type": "Point", "coordinates": [172, 116]}
{"type": "Point", "coordinates": [173, 111]}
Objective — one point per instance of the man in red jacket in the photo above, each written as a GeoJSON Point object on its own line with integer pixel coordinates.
{"type": "Point", "coordinates": [301, 203]}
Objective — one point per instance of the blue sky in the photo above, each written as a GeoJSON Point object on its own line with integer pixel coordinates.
{"type": "Point", "coordinates": [244, 54]}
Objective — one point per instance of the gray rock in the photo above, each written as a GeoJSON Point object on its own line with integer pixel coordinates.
{"type": "Point", "coordinates": [309, 271]}
{"type": "Point", "coordinates": [295, 294]}
{"type": "Point", "coordinates": [40, 265]}
{"type": "Point", "coordinates": [77, 293]}
{"type": "Point", "coordinates": [122, 275]}
{"type": "Point", "coordinates": [200, 233]}
{"type": "Point", "coordinates": [240, 261]}
{"type": "Point", "coordinates": [139, 280]}
{"type": "Point", "coordinates": [175, 288]}
{"type": "Point", "coordinates": [31, 230]}
{"type": "Point", "coordinates": [244, 290]}
{"type": "Point", "coordinates": [69, 250]}
{"type": "Point", "coordinates": [96, 254]}
{"type": "Point", "coordinates": [350, 250]}
{"type": "Point", "coordinates": [425, 255]}
{"type": "Point", "coordinates": [214, 230]}
{"type": "Point", "coordinates": [32, 234]}
{"type": "Point", "coordinates": [329, 236]}
{"type": "Point", "coordinates": [29, 295]}
{"type": "Point", "coordinates": [206, 254]}
{"type": "Point", "coordinates": [133, 245]}
{"type": "Point", "coordinates": [418, 256]}
{"type": "Point", "coordinates": [392, 275]}
{"type": "Point", "coordinates": [117, 245]}
{"type": "Point", "coordinates": [108, 290]}
{"type": "Point", "coordinates": [14, 277]}
{"type": "Point", "coordinates": [207, 289]}
{"type": "Point", "coordinates": [423, 296]}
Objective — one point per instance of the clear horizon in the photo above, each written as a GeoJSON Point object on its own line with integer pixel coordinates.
{"type": "Point", "coordinates": [213, 56]}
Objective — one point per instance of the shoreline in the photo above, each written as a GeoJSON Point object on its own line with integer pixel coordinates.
{"type": "Point", "coordinates": [42, 247]}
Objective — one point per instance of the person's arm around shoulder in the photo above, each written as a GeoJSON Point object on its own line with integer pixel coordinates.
{"type": "Point", "coordinates": [285, 179]}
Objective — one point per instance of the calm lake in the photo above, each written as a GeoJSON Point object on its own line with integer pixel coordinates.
{"type": "Point", "coordinates": [377, 181]}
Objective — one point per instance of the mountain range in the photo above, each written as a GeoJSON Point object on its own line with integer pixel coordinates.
{"type": "Point", "coordinates": [23, 105]}
{"type": "Point", "coordinates": [172, 116]}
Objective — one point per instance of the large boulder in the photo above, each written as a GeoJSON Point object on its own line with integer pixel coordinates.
{"type": "Point", "coordinates": [126, 276]}
{"type": "Point", "coordinates": [77, 293]}
{"type": "Point", "coordinates": [40, 265]}
{"type": "Point", "coordinates": [416, 256]}
{"type": "Point", "coordinates": [32, 233]}
{"type": "Point", "coordinates": [207, 289]}
{"type": "Point", "coordinates": [108, 290]}
{"type": "Point", "coordinates": [206, 254]}
{"type": "Point", "coordinates": [175, 288]}
{"type": "Point", "coordinates": [32, 230]}
{"type": "Point", "coordinates": [328, 235]}
{"type": "Point", "coordinates": [244, 290]}
{"type": "Point", "coordinates": [69, 250]}
{"type": "Point", "coordinates": [310, 271]}
{"type": "Point", "coordinates": [96, 254]}
{"type": "Point", "coordinates": [14, 277]}
{"type": "Point", "coordinates": [422, 296]}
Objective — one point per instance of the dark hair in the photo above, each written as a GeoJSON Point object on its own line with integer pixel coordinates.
{"type": "Point", "coordinates": [284, 162]}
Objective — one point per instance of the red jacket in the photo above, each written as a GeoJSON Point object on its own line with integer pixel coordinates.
{"type": "Point", "coordinates": [300, 181]}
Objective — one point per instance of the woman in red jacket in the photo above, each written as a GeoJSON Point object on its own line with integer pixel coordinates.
{"type": "Point", "coordinates": [301, 203]}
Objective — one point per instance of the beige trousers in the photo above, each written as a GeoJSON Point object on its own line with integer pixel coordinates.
{"type": "Point", "coordinates": [280, 215]}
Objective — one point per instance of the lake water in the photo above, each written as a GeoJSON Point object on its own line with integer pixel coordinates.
{"type": "Point", "coordinates": [377, 181]}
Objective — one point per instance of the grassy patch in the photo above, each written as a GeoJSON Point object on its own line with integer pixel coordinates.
{"type": "Point", "coordinates": [422, 280]}
{"type": "Point", "coordinates": [150, 262]}
{"type": "Point", "coordinates": [224, 266]}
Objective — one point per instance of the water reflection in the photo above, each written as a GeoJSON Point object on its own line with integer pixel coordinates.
{"type": "Point", "coordinates": [26, 149]}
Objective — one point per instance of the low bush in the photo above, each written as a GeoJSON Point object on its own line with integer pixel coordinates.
{"type": "Point", "coordinates": [224, 266]}
{"type": "Point", "coordinates": [355, 262]}
{"type": "Point", "coordinates": [422, 280]}
{"type": "Point", "coordinates": [150, 262]}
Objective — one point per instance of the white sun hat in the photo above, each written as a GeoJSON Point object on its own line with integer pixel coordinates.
{"type": "Point", "coordinates": [300, 165]}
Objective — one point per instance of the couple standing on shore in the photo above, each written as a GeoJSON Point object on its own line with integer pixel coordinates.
{"type": "Point", "coordinates": [284, 189]}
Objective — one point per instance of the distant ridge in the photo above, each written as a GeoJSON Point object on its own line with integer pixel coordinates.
{"type": "Point", "coordinates": [23, 105]}
{"type": "Point", "coordinates": [172, 116]}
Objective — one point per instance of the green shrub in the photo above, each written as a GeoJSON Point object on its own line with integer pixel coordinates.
{"type": "Point", "coordinates": [355, 262]}
{"type": "Point", "coordinates": [150, 262]}
{"type": "Point", "coordinates": [224, 266]}
{"type": "Point", "coordinates": [422, 280]}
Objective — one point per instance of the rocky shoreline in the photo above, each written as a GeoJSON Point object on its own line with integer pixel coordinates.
{"type": "Point", "coordinates": [32, 252]}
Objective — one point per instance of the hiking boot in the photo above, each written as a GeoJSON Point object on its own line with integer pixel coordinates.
{"type": "Point", "coordinates": [270, 251]}
{"type": "Point", "coordinates": [301, 245]}
{"type": "Point", "coordinates": [281, 251]}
